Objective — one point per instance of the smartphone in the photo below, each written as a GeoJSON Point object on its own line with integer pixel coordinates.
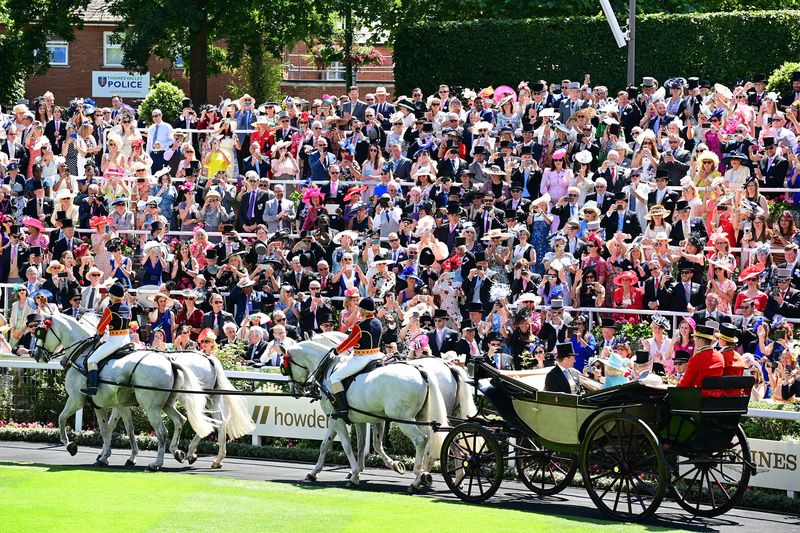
{"type": "Point", "coordinates": [62, 275]}
{"type": "Point", "coordinates": [73, 135]}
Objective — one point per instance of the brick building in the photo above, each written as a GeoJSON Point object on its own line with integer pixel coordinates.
{"type": "Point", "coordinates": [91, 63]}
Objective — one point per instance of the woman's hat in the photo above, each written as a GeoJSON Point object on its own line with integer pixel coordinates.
{"type": "Point", "coordinates": [98, 220]}
{"type": "Point", "coordinates": [656, 210]}
{"type": "Point", "coordinates": [354, 192]}
{"type": "Point", "coordinates": [337, 239]}
{"type": "Point", "coordinates": [213, 192]}
{"type": "Point", "coordinates": [55, 267]}
{"type": "Point", "coordinates": [752, 271]}
{"type": "Point", "coordinates": [559, 154]}
{"type": "Point", "coordinates": [420, 342]}
{"type": "Point", "coordinates": [661, 321]}
{"type": "Point", "coordinates": [280, 144]}
{"type": "Point", "coordinates": [150, 245]}
{"type": "Point", "coordinates": [262, 119]}
{"type": "Point", "coordinates": [708, 155]}
{"type": "Point", "coordinates": [496, 232]}
{"type": "Point", "coordinates": [627, 275]}
{"type": "Point", "coordinates": [590, 206]}
{"type": "Point", "coordinates": [207, 333]}
{"type": "Point", "coordinates": [721, 263]}
{"type": "Point", "coordinates": [32, 222]}
{"type": "Point", "coordinates": [584, 157]}
{"type": "Point", "coordinates": [615, 361]}
{"type": "Point", "coordinates": [154, 296]}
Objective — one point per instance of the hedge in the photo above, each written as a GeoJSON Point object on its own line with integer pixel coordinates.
{"type": "Point", "coordinates": [721, 47]}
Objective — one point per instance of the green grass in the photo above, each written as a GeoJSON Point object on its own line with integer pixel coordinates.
{"type": "Point", "coordinates": [65, 499]}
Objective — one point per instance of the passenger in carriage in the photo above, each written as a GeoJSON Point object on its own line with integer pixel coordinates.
{"type": "Point", "coordinates": [563, 377]}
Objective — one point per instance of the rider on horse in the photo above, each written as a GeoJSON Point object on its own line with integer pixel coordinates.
{"type": "Point", "coordinates": [116, 319]}
{"type": "Point", "coordinates": [366, 338]}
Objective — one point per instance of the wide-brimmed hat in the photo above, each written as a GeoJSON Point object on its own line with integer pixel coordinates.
{"type": "Point", "coordinates": [584, 157]}
{"type": "Point", "coordinates": [590, 206]}
{"type": "Point", "coordinates": [280, 144]}
{"type": "Point", "coordinates": [98, 220]}
{"type": "Point", "coordinates": [245, 282]}
{"type": "Point", "coordinates": [661, 321]}
{"type": "Point", "coordinates": [708, 155]}
{"type": "Point", "coordinates": [354, 192]}
{"type": "Point", "coordinates": [152, 297]}
{"type": "Point", "coordinates": [496, 232]}
{"type": "Point", "coordinates": [494, 170]}
{"type": "Point", "coordinates": [627, 275]}
{"type": "Point", "coordinates": [33, 222]}
{"type": "Point", "coordinates": [615, 361]}
{"type": "Point", "coordinates": [55, 267]}
{"type": "Point", "coordinates": [752, 271]}
{"type": "Point", "coordinates": [337, 239]}
{"type": "Point", "coordinates": [543, 199]}
{"type": "Point", "coordinates": [482, 125]}
{"type": "Point", "coordinates": [656, 210]}
{"type": "Point", "coordinates": [262, 120]}
{"type": "Point", "coordinates": [721, 263]}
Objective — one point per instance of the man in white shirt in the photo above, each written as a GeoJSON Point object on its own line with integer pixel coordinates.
{"type": "Point", "coordinates": [159, 138]}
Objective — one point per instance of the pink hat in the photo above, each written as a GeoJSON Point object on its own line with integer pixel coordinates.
{"type": "Point", "coordinates": [33, 222]}
{"type": "Point", "coordinates": [559, 154]}
{"type": "Point", "coordinates": [692, 324]}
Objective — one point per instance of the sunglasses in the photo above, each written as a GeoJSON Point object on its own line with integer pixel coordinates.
{"type": "Point", "coordinates": [279, 319]}
{"type": "Point", "coordinates": [206, 341]}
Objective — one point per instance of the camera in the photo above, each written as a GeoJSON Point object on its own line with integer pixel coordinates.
{"type": "Point", "coordinates": [722, 208]}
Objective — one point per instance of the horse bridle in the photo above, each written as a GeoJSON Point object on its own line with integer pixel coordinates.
{"type": "Point", "coordinates": [41, 334]}
{"type": "Point", "coordinates": [312, 381]}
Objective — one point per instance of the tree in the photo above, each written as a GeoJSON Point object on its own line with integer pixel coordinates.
{"type": "Point", "coordinates": [26, 28]}
{"type": "Point", "coordinates": [211, 34]}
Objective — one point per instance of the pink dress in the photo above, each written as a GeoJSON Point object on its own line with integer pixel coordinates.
{"type": "Point", "coordinates": [198, 251]}
{"type": "Point", "coordinates": [102, 258]}
{"type": "Point", "coordinates": [555, 183]}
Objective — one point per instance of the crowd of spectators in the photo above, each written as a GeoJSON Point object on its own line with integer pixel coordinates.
{"type": "Point", "coordinates": [484, 224]}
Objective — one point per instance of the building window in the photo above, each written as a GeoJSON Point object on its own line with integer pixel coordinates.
{"type": "Point", "coordinates": [335, 72]}
{"type": "Point", "coordinates": [112, 51]}
{"type": "Point", "coordinates": [58, 53]}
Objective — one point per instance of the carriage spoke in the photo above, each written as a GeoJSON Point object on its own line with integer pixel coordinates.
{"type": "Point", "coordinates": [471, 482]}
{"type": "Point", "coordinates": [684, 475]}
{"type": "Point", "coordinates": [619, 493]}
{"type": "Point", "coordinates": [700, 490]}
{"type": "Point", "coordinates": [628, 492]}
{"type": "Point", "coordinates": [726, 477]}
{"type": "Point", "coordinates": [602, 474]}
{"type": "Point", "coordinates": [610, 486]}
{"type": "Point", "coordinates": [616, 457]}
{"type": "Point", "coordinates": [719, 484]}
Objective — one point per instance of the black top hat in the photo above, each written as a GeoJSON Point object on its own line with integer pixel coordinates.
{"type": "Point", "coordinates": [479, 150]}
{"type": "Point", "coordinates": [211, 253]}
{"type": "Point", "coordinates": [75, 292]}
{"type": "Point", "coordinates": [461, 241]}
{"type": "Point", "coordinates": [620, 196]}
{"type": "Point", "coordinates": [475, 307]}
{"type": "Point", "coordinates": [33, 317]}
{"type": "Point", "coordinates": [527, 127]}
{"type": "Point", "coordinates": [692, 82]}
{"type": "Point", "coordinates": [35, 182]}
{"type": "Point", "coordinates": [194, 165]}
{"type": "Point", "coordinates": [662, 173]}
{"type": "Point", "coordinates": [324, 317]}
{"type": "Point", "coordinates": [67, 223]}
{"type": "Point", "coordinates": [632, 91]}
{"type": "Point", "coordinates": [729, 332]}
{"type": "Point", "coordinates": [467, 324]}
{"type": "Point", "coordinates": [796, 75]}
{"type": "Point", "coordinates": [537, 87]}
{"type": "Point", "coordinates": [526, 150]}
{"type": "Point", "coordinates": [681, 356]}
{"type": "Point", "coordinates": [117, 290]}
{"type": "Point", "coordinates": [642, 357]}
{"type": "Point", "coordinates": [453, 208]}
{"type": "Point", "coordinates": [226, 228]}
{"type": "Point", "coordinates": [680, 205]}
{"type": "Point", "coordinates": [493, 336]}
{"type": "Point", "coordinates": [426, 257]}
{"type": "Point", "coordinates": [35, 251]}
{"type": "Point", "coordinates": [14, 230]}
{"type": "Point", "coordinates": [564, 350]}
{"type": "Point", "coordinates": [505, 144]}
{"type": "Point", "coordinates": [760, 78]}
{"type": "Point", "coordinates": [704, 84]}
{"type": "Point", "coordinates": [704, 332]}
{"type": "Point", "coordinates": [367, 304]}
{"type": "Point", "coordinates": [452, 146]}
{"type": "Point", "coordinates": [440, 313]}
{"type": "Point", "coordinates": [608, 322]}
{"type": "Point", "coordinates": [769, 141]}
{"type": "Point", "coordinates": [187, 102]}
{"type": "Point", "coordinates": [480, 256]}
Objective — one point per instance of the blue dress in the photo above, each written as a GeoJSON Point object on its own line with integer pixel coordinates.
{"type": "Point", "coordinates": [613, 381]}
{"type": "Point", "coordinates": [541, 230]}
{"type": "Point", "coordinates": [164, 321]}
{"type": "Point", "coordinates": [126, 261]}
{"type": "Point", "coordinates": [152, 273]}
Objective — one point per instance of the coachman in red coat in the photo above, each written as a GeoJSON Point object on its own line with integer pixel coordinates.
{"type": "Point", "coordinates": [734, 366]}
{"type": "Point", "coordinates": [705, 362]}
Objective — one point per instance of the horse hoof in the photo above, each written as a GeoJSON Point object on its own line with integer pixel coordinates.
{"type": "Point", "coordinates": [72, 448]}
{"type": "Point", "coordinates": [414, 489]}
{"type": "Point", "coordinates": [311, 477]}
{"type": "Point", "coordinates": [399, 467]}
{"type": "Point", "coordinates": [192, 458]}
{"type": "Point", "coordinates": [348, 477]}
{"type": "Point", "coordinates": [215, 465]}
{"type": "Point", "coordinates": [129, 463]}
{"type": "Point", "coordinates": [99, 457]}
{"type": "Point", "coordinates": [153, 468]}
{"type": "Point", "coordinates": [427, 479]}
{"type": "Point", "coordinates": [351, 484]}
{"type": "Point", "coordinates": [180, 456]}
{"type": "Point", "coordinates": [101, 462]}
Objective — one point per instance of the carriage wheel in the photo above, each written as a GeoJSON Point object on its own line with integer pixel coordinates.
{"type": "Point", "coordinates": [543, 471]}
{"type": "Point", "coordinates": [623, 467]}
{"type": "Point", "coordinates": [472, 464]}
{"type": "Point", "coordinates": [711, 484]}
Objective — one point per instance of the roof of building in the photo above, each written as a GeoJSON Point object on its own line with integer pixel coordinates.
{"type": "Point", "coordinates": [98, 12]}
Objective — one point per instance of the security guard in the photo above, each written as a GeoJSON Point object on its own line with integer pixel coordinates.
{"type": "Point", "coordinates": [116, 319]}
{"type": "Point", "coordinates": [366, 338]}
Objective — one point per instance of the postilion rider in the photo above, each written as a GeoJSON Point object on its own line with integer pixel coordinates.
{"type": "Point", "coordinates": [114, 326]}
{"type": "Point", "coordinates": [366, 338]}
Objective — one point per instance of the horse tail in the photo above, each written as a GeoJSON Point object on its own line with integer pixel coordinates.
{"type": "Point", "coordinates": [435, 411]}
{"type": "Point", "coordinates": [464, 399]}
{"type": "Point", "coordinates": [235, 415]}
{"type": "Point", "coordinates": [194, 403]}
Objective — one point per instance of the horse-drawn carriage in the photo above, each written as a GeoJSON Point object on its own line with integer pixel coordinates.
{"type": "Point", "coordinates": [633, 444]}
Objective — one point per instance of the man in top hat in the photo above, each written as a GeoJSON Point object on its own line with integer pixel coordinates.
{"type": "Point", "coordinates": [563, 377]}
{"type": "Point", "coordinates": [681, 359]}
{"type": "Point", "coordinates": [793, 94]}
{"type": "Point", "coordinates": [11, 258]}
{"type": "Point", "coordinates": [451, 165]}
{"type": "Point", "coordinates": [469, 343]}
{"type": "Point", "coordinates": [772, 168]}
{"type": "Point", "coordinates": [706, 361]}
{"type": "Point", "coordinates": [449, 231]}
{"type": "Point", "coordinates": [39, 207]}
{"type": "Point", "coordinates": [683, 224]}
{"type": "Point", "coordinates": [27, 342]}
{"type": "Point", "coordinates": [517, 203]}
{"type": "Point", "coordinates": [366, 339]}
{"type": "Point", "coordinates": [642, 365]}
{"type": "Point", "coordinates": [606, 342]}
{"type": "Point", "coordinates": [619, 220]}
{"type": "Point", "coordinates": [785, 300]}
{"type": "Point", "coordinates": [114, 326]}
{"type": "Point", "coordinates": [757, 91]}
{"type": "Point", "coordinates": [314, 308]}
{"type": "Point", "coordinates": [441, 339]}
{"type": "Point", "coordinates": [572, 103]}
{"type": "Point", "coordinates": [728, 341]}
{"type": "Point", "coordinates": [478, 283]}
{"type": "Point", "coordinates": [68, 242]}
{"type": "Point", "coordinates": [72, 304]}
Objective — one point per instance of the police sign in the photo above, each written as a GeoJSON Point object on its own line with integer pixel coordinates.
{"type": "Point", "coordinates": [109, 83]}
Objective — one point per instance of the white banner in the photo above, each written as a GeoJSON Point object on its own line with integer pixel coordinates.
{"type": "Point", "coordinates": [108, 83]}
{"type": "Point", "coordinates": [776, 464]}
{"type": "Point", "coordinates": [284, 416]}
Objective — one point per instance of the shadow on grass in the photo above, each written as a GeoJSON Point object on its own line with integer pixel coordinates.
{"type": "Point", "coordinates": [121, 468]}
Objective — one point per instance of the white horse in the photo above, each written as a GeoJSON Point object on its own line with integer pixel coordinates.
{"type": "Point", "coordinates": [229, 411]}
{"type": "Point", "coordinates": [399, 392]}
{"type": "Point", "coordinates": [143, 368]}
